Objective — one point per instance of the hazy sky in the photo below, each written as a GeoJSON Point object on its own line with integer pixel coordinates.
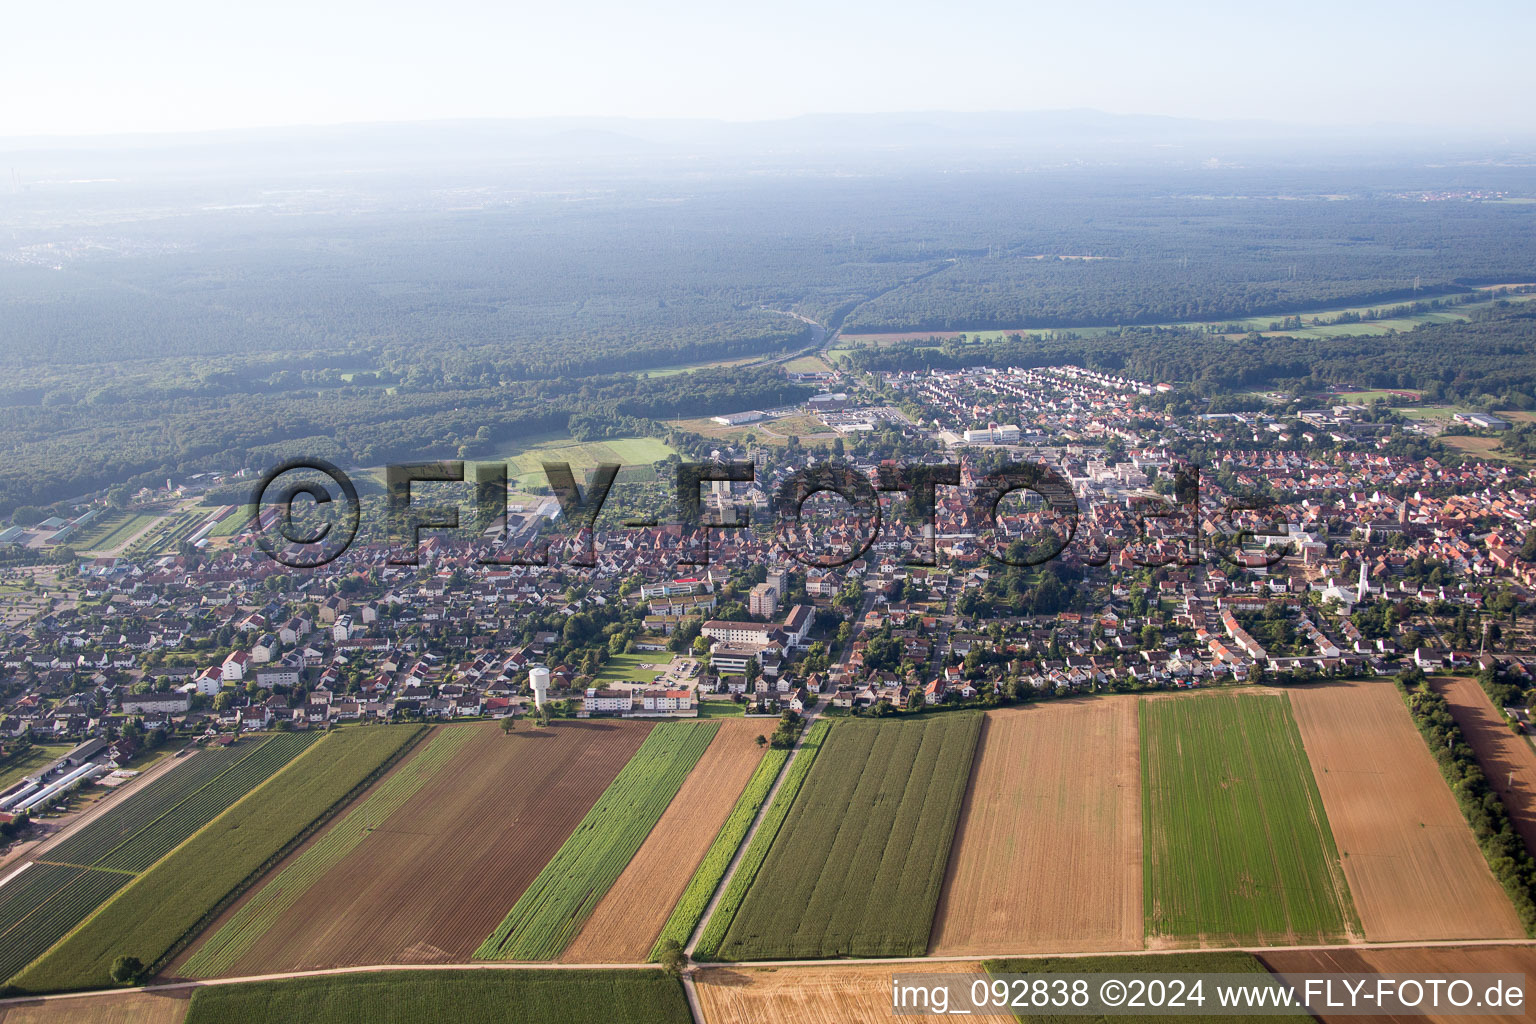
{"type": "Point", "coordinates": [88, 66]}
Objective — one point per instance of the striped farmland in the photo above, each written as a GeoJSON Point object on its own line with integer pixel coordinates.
{"type": "Point", "coordinates": [562, 897]}
{"type": "Point", "coordinates": [289, 885]}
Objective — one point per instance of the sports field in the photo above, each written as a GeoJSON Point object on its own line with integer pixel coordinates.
{"type": "Point", "coordinates": [558, 902]}
{"type": "Point", "coordinates": [627, 667]}
{"type": "Point", "coordinates": [427, 862]}
{"type": "Point", "coordinates": [1412, 863]}
{"type": "Point", "coordinates": [857, 866]}
{"type": "Point", "coordinates": [1047, 855]}
{"type": "Point", "coordinates": [1237, 847]}
{"type": "Point", "coordinates": [627, 921]}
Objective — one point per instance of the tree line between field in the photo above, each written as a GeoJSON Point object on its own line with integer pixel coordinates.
{"type": "Point", "coordinates": [1507, 856]}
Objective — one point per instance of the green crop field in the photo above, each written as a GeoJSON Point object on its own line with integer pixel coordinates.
{"type": "Point", "coordinates": [1236, 846]}
{"type": "Point", "coordinates": [97, 530]}
{"type": "Point", "coordinates": [757, 851]}
{"type": "Point", "coordinates": [673, 371]}
{"type": "Point", "coordinates": [123, 529]}
{"type": "Point", "coordinates": [463, 997]}
{"type": "Point", "coordinates": [722, 709]}
{"type": "Point", "coordinates": [701, 887]}
{"type": "Point", "coordinates": [43, 903]}
{"type": "Point", "coordinates": [288, 886]}
{"type": "Point", "coordinates": [807, 364]}
{"type": "Point", "coordinates": [561, 898]}
{"type": "Point", "coordinates": [165, 906]}
{"type": "Point", "coordinates": [1171, 963]}
{"type": "Point", "coordinates": [149, 824]}
{"type": "Point", "coordinates": [86, 869]}
{"type": "Point", "coordinates": [1313, 325]}
{"type": "Point", "coordinates": [857, 867]}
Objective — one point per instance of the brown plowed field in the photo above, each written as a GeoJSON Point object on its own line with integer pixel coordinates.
{"type": "Point", "coordinates": [1498, 750]}
{"type": "Point", "coordinates": [813, 995]}
{"type": "Point", "coordinates": [1412, 864]}
{"type": "Point", "coordinates": [1436, 961]}
{"type": "Point", "coordinates": [625, 923]}
{"type": "Point", "coordinates": [1048, 851]}
{"type": "Point", "coordinates": [117, 1008]}
{"type": "Point", "coordinates": [435, 879]}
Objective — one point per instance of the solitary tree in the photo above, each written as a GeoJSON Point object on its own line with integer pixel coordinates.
{"type": "Point", "coordinates": [671, 957]}
{"type": "Point", "coordinates": [127, 970]}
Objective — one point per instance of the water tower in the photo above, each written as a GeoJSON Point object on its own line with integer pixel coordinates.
{"type": "Point", "coordinates": [538, 678]}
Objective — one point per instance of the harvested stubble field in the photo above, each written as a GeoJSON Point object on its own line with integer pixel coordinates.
{"type": "Point", "coordinates": [626, 922]}
{"type": "Point", "coordinates": [1412, 863]}
{"type": "Point", "coordinates": [857, 867]}
{"type": "Point", "coordinates": [1047, 857]}
{"type": "Point", "coordinates": [108, 1008]}
{"type": "Point", "coordinates": [1433, 961]}
{"type": "Point", "coordinates": [1236, 844]}
{"type": "Point", "coordinates": [459, 997]}
{"type": "Point", "coordinates": [1205, 962]}
{"type": "Point", "coordinates": [857, 994]}
{"type": "Point", "coordinates": [558, 902]}
{"type": "Point", "coordinates": [1498, 750]}
{"type": "Point", "coordinates": [428, 882]}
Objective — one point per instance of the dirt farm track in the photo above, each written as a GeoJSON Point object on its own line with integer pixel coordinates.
{"type": "Point", "coordinates": [1413, 866]}
{"type": "Point", "coordinates": [1047, 854]}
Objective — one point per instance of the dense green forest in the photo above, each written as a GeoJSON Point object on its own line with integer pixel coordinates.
{"type": "Point", "coordinates": [140, 339]}
{"type": "Point", "coordinates": [65, 450]}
